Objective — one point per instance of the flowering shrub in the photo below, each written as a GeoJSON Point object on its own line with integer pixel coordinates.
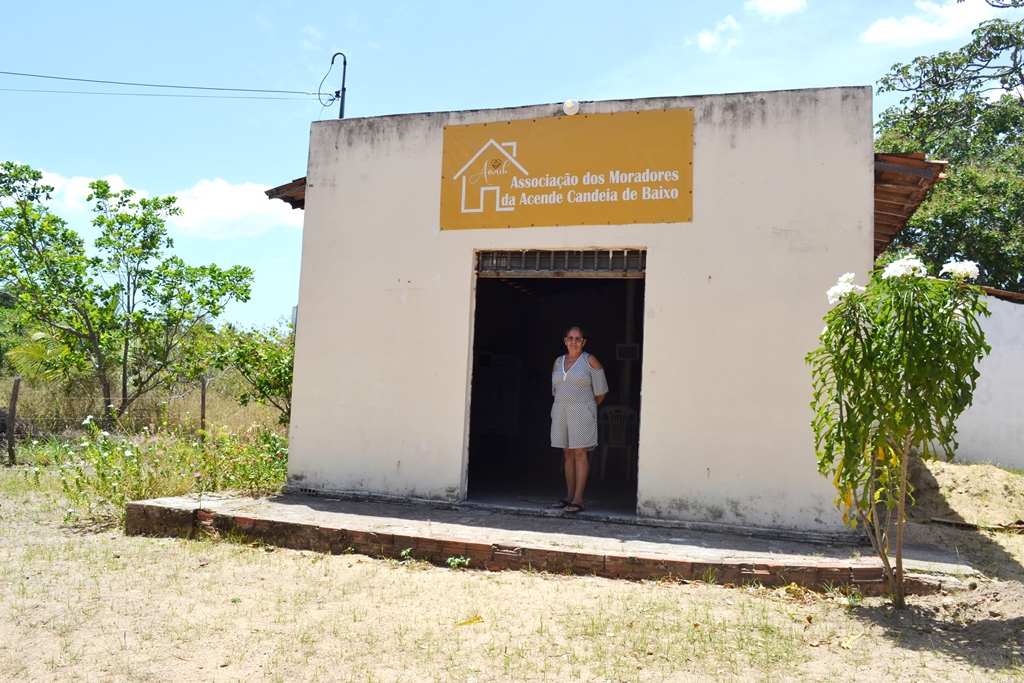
{"type": "Point", "coordinates": [896, 367]}
{"type": "Point", "coordinates": [961, 270]}
{"type": "Point", "coordinates": [101, 473]}
{"type": "Point", "coordinates": [842, 288]}
{"type": "Point", "coordinates": [907, 266]}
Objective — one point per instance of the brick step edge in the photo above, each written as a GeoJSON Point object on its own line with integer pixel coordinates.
{"type": "Point", "coordinates": [144, 519]}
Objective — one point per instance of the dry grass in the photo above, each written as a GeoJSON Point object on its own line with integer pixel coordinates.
{"type": "Point", "coordinates": [82, 606]}
{"type": "Point", "coordinates": [51, 411]}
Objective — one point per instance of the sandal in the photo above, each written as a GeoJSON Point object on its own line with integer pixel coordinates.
{"type": "Point", "coordinates": [561, 504]}
{"type": "Point", "coordinates": [573, 508]}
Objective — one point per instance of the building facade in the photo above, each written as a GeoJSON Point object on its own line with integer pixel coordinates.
{"type": "Point", "coordinates": [427, 326]}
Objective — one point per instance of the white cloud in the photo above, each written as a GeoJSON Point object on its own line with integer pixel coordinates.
{"type": "Point", "coordinates": [932, 21]}
{"type": "Point", "coordinates": [216, 209]}
{"type": "Point", "coordinates": [774, 9]}
{"type": "Point", "coordinates": [722, 39]}
{"type": "Point", "coordinates": [69, 193]}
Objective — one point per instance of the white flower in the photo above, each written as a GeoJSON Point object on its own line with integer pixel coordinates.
{"type": "Point", "coordinates": [105, 433]}
{"type": "Point", "coordinates": [843, 288]}
{"type": "Point", "coordinates": [908, 265]}
{"type": "Point", "coordinates": [87, 420]}
{"type": "Point", "coordinates": [961, 270]}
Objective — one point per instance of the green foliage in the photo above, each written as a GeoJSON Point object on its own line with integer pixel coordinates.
{"type": "Point", "coordinates": [457, 562]}
{"type": "Point", "coordinates": [101, 473]}
{"type": "Point", "coordinates": [896, 367]}
{"type": "Point", "coordinates": [42, 358]}
{"type": "Point", "coordinates": [966, 107]}
{"type": "Point", "coordinates": [255, 464]}
{"type": "Point", "coordinates": [12, 331]}
{"type": "Point", "coordinates": [264, 359]}
{"type": "Point", "coordinates": [134, 314]}
{"type": "Point", "coordinates": [951, 90]}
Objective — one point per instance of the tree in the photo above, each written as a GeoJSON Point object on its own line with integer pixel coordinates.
{"type": "Point", "coordinates": [896, 367]}
{"type": "Point", "coordinates": [42, 358]}
{"type": "Point", "coordinates": [264, 359]}
{"type": "Point", "coordinates": [967, 107]}
{"type": "Point", "coordinates": [12, 332]}
{"type": "Point", "coordinates": [130, 314]}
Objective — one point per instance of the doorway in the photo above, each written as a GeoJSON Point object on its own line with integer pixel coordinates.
{"type": "Point", "coordinates": [519, 324]}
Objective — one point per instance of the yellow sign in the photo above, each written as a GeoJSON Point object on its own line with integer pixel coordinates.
{"type": "Point", "coordinates": [596, 169]}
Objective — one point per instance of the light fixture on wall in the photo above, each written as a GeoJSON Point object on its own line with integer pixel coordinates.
{"type": "Point", "coordinates": [571, 107]}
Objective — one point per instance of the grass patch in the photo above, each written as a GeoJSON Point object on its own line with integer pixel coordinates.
{"type": "Point", "coordinates": [99, 473]}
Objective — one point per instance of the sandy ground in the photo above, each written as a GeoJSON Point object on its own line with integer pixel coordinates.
{"type": "Point", "coordinates": [94, 605]}
{"type": "Point", "coordinates": [978, 494]}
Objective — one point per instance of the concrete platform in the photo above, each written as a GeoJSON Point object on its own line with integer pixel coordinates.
{"type": "Point", "coordinates": [531, 536]}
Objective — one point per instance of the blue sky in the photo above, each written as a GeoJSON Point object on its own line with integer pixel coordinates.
{"type": "Point", "coordinates": [218, 155]}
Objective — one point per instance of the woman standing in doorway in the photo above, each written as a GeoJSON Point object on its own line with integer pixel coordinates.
{"type": "Point", "coordinates": [578, 385]}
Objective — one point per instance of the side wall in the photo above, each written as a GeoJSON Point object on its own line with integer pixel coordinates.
{"type": "Point", "coordinates": [783, 188]}
{"type": "Point", "coordinates": [992, 430]}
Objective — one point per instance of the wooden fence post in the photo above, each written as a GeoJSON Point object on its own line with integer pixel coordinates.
{"type": "Point", "coordinates": [12, 414]}
{"type": "Point", "coordinates": [202, 406]}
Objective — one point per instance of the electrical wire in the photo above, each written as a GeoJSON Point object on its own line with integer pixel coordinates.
{"type": "Point", "coordinates": [320, 87]}
{"type": "Point", "coordinates": [156, 85]}
{"type": "Point", "coordinates": [151, 94]}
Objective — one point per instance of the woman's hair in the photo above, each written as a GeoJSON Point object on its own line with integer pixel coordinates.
{"type": "Point", "coordinates": [575, 327]}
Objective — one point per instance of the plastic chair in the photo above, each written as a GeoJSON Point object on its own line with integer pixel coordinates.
{"type": "Point", "coordinates": [617, 428]}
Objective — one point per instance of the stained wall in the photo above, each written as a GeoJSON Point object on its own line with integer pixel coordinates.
{"type": "Point", "coordinates": [783, 189]}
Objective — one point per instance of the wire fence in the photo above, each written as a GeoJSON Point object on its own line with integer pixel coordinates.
{"type": "Point", "coordinates": [43, 411]}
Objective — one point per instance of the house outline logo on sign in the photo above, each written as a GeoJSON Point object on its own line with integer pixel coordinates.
{"type": "Point", "coordinates": [497, 167]}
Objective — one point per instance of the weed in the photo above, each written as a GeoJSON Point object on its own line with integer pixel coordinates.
{"type": "Point", "coordinates": [457, 562]}
{"type": "Point", "coordinates": [843, 594]}
{"type": "Point", "coordinates": [100, 473]}
{"type": "Point", "coordinates": [236, 536]}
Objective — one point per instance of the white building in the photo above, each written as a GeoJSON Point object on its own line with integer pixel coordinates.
{"type": "Point", "coordinates": [427, 326]}
{"type": "Point", "coordinates": [992, 429]}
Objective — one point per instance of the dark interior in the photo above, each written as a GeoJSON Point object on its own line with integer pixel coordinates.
{"type": "Point", "coordinates": [518, 335]}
